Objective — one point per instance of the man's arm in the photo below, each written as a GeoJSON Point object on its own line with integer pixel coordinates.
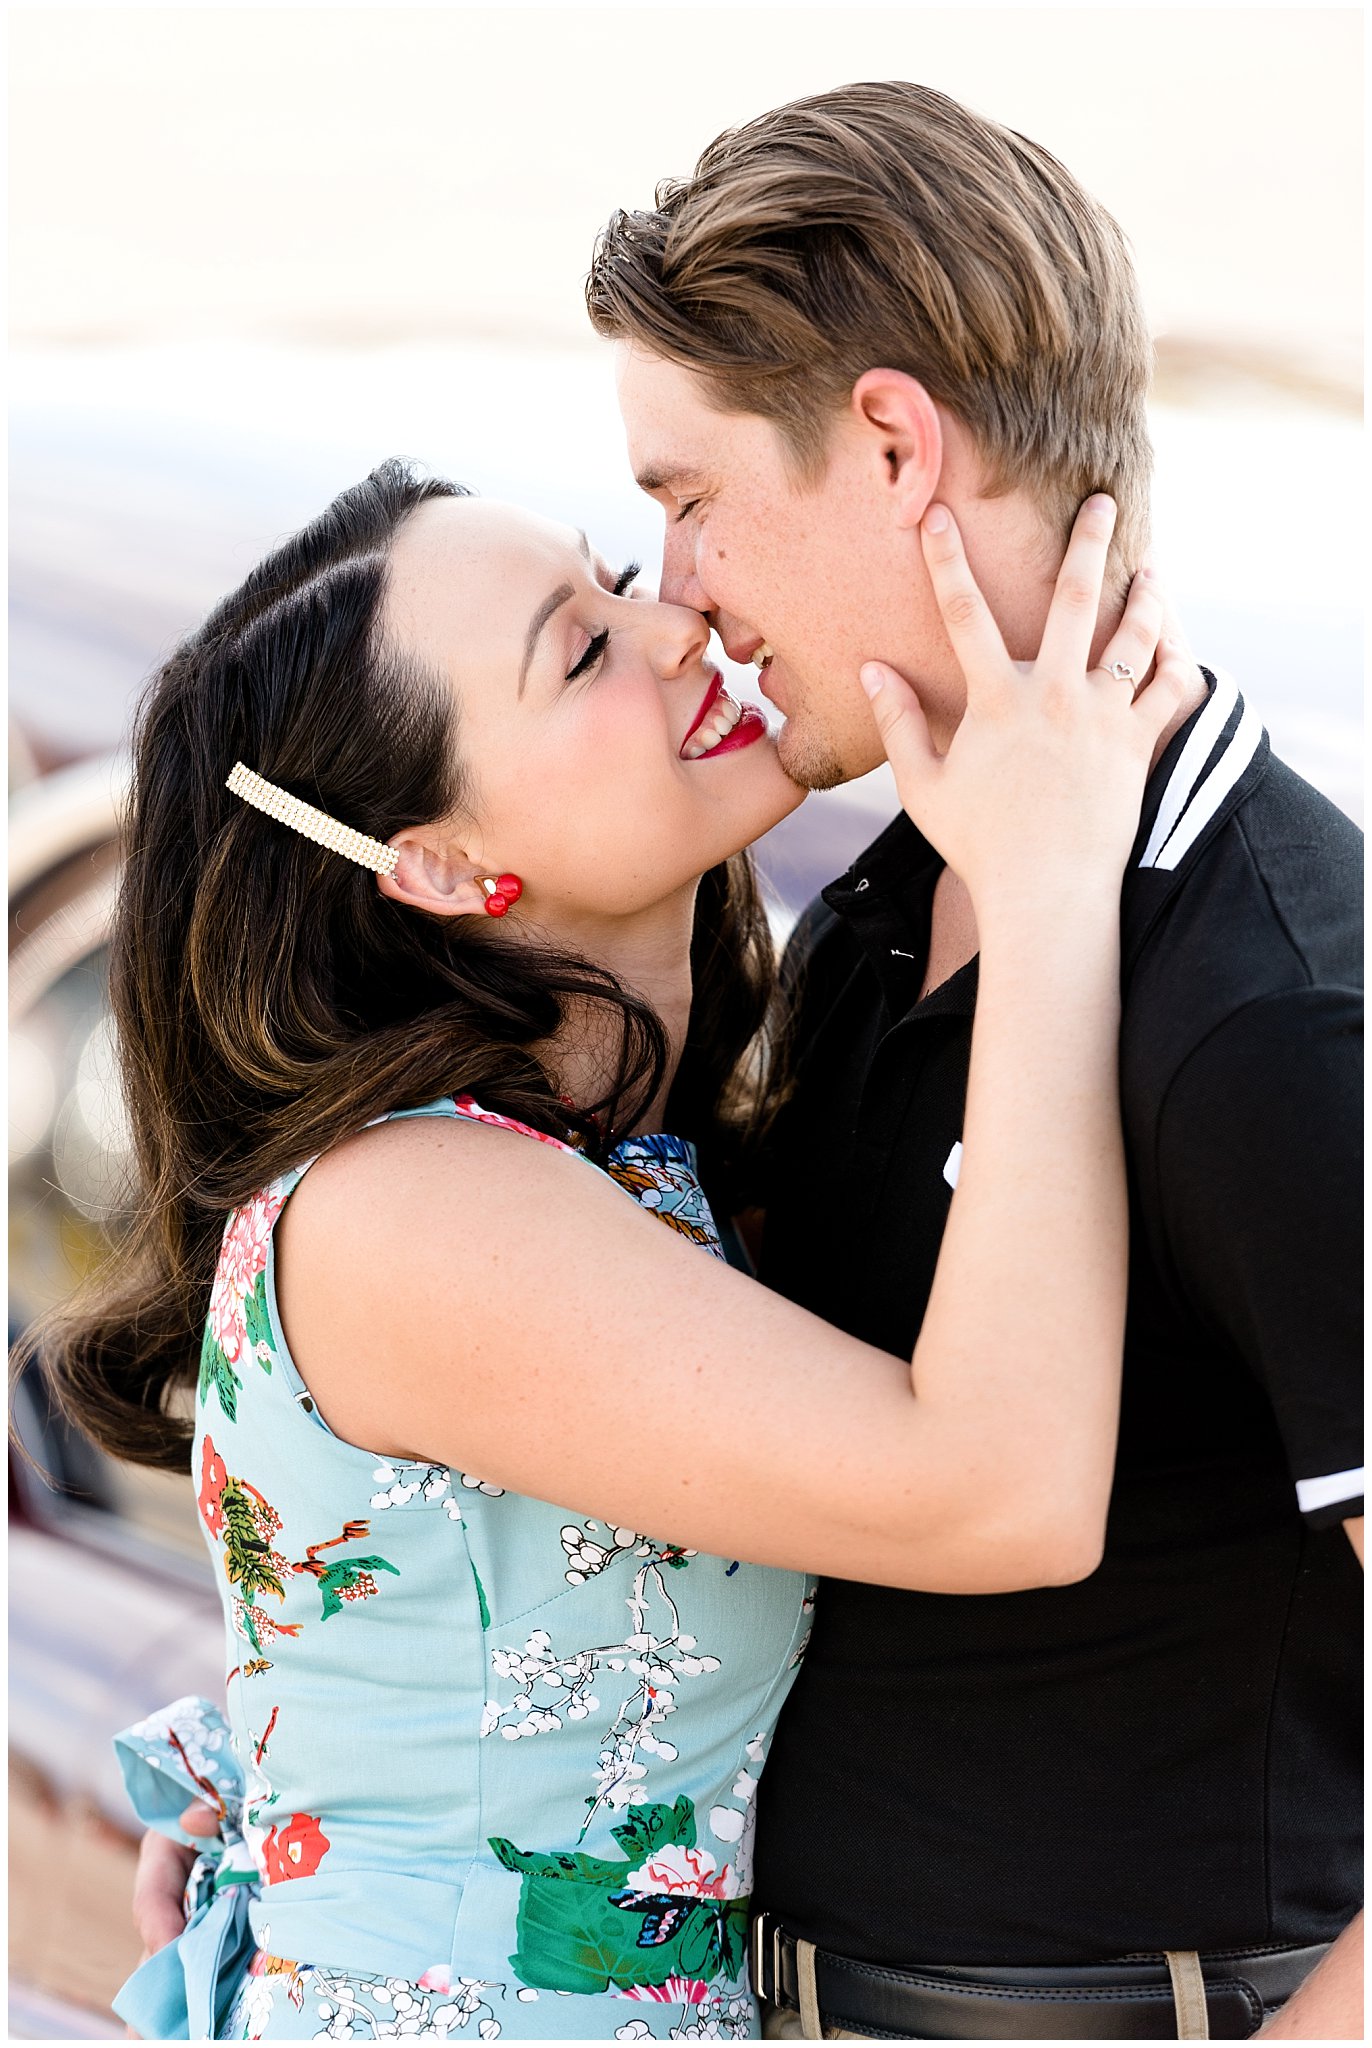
{"type": "Point", "coordinates": [1261, 1172]}
{"type": "Point", "coordinates": [1328, 2006]}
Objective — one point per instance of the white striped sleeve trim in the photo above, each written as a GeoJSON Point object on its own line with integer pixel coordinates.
{"type": "Point", "coordinates": [1214, 789]}
{"type": "Point", "coordinates": [1192, 759]}
{"type": "Point", "coordinates": [1323, 1493]}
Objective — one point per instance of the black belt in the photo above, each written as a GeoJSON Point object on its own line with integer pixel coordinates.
{"type": "Point", "coordinates": [1127, 1999]}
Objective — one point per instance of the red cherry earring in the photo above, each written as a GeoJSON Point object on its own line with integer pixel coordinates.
{"type": "Point", "coordinates": [501, 892]}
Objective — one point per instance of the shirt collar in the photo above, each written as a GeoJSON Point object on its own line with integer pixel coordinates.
{"type": "Point", "coordinates": [1208, 766]}
{"type": "Point", "coordinates": [885, 898]}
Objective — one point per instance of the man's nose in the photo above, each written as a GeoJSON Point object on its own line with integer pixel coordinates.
{"type": "Point", "coordinates": [680, 583]}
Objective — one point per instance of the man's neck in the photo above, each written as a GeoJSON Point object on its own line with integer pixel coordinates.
{"type": "Point", "coordinates": [1015, 557]}
{"type": "Point", "coordinates": [1197, 689]}
{"type": "Point", "coordinates": [952, 920]}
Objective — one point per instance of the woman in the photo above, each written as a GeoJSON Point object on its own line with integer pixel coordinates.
{"type": "Point", "coordinates": [414, 878]}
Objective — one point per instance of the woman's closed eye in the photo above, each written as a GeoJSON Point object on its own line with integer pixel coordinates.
{"type": "Point", "coordinates": [601, 640]}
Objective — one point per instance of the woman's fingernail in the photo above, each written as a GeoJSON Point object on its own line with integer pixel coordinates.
{"type": "Point", "coordinates": [871, 677]}
{"type": "Point", "coordinates": [1100, 501]}
{"type": "Point", "coordinates": [1148, 572]}
{"type": "Point", "coordinates": [936, 519]}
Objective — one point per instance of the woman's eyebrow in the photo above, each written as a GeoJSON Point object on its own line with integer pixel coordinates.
{"type": "Point", "coordinates": [552, 603]}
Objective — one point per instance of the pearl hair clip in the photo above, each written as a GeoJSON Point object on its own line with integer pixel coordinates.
{"type": "Point", "coordinates": [314, 824]}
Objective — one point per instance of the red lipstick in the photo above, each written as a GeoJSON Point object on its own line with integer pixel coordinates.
{"type": "Point", "coordinates": [716, 685]}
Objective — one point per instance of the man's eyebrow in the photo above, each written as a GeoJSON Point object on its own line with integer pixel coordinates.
{"type": "Point", "coordinates": [654, 479]}
{"type": "Point", "coordinates": [552, 603]}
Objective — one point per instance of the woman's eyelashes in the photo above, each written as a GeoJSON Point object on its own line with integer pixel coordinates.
{"type": "Point", "coordinates": [601, 640]}
{"type": "Point", "coordinates": [591, 656]}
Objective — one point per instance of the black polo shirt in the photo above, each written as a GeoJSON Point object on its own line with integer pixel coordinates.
{"type": "Point", "coordinates": [1165, 1755]}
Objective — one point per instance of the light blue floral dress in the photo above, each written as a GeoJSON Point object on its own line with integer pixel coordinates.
{"type": "Point", "coordinates": [488, 1764]}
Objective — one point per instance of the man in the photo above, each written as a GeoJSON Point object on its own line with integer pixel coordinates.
{"type": "Point", "coordinates": [861, 304]}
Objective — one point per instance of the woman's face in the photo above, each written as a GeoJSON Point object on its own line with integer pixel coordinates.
{"type": "Point", "coordinates": [592, 729]}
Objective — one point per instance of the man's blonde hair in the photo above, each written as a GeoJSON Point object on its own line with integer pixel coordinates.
{"type": "Point", "coordinates": [886, 226]}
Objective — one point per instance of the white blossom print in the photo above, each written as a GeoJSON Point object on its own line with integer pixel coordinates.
{"type": "Point", "coordinates": [198, 1734]}
{"type": "Point", "coordinates": [252, 2011]}
{"type": "Point", "coordinates": [402, 1483]}
{"type": "Point", "coordinates": [737, 1824]}
{"type": "Point", "coordinates": [475, 1485]}
{"type": "Point", "coordinates": [655, 1655]}
{"type": "Point", "coordinates": [718, 2017]}
{"type": "Point", "coordinates": [380, 2008]}
{"type": "Point", "coordinates": [587, 1556]}
{"type": "Point", "coordinates": [353, 2007]}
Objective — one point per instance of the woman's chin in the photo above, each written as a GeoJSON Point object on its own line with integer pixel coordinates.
{"type": "Point", "coordinates": [770, 796]}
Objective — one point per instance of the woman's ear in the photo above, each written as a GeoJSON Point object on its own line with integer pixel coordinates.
{"type": "Point", "coordinates": [902, 424]}
{"type": "Point", "coordinates": [434, 873]}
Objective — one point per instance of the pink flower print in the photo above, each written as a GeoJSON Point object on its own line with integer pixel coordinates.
{"type": "Point", "coordinates": [214, 1477]}
{"type": "Point", "coordinates": [242, 1256]}
{"type": "Point", "coordinates": [466, 1106]}
{"type": "Point", "coordinates": [439, 1979]}
{"type": "Point", "coordinates": [685, 1873]}
{"type": "Point", "coordinates": [676, 1991]}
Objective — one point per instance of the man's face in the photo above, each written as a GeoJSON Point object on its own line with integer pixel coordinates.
{"type": "Point", "coordinates": [822, 574]}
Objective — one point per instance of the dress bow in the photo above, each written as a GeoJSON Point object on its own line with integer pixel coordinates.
{"type": "Point", "coordinates": [184, 1752]}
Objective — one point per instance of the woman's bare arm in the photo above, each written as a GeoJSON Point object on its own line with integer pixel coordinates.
{"type": "Point", "coordinates": [453, 1292]}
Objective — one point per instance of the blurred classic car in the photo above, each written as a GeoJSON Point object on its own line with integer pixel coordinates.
{"type": "Point", "coordinates": [112, 1608]}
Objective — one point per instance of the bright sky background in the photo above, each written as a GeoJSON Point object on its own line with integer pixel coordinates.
{"type": "Point", "coordinates": [256, 249]}
{"type": "Point", "coordinates": [362, 174]}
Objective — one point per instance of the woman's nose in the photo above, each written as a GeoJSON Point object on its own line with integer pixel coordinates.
{"type": "Point", "coordinates": [678, 637]}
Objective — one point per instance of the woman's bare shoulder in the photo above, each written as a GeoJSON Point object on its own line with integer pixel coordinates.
{"type": "Point", "coordinates": [458, 1159]}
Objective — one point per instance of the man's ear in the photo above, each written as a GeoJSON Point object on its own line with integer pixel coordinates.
{"type": "Point", "coordinates": [435, 872]}
{"type": "Point", "coordinates": [902, 423]}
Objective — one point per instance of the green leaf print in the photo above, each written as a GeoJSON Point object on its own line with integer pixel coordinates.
{"type": "Point", "coordinates": [555, 1863]}
{"type": "Point", "coordinates": [217, 1373]}
{"type": "Point", "coordinates": [655, 1827]}
{"type": "Point", "coordinates": [580, 1927]}
{"type": "Point", "coordinates": [572, 1939]}
{"type": "Point", "coordinates": [258, 1322]}
{"type": "Point", "coordinates": [250, 1563]}
{"type": "Point", "coordinates": [350, 1579]}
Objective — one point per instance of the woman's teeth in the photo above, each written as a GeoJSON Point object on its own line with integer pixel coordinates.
{"type": "Point", "coordinates": [761, 655]}
{"type": "Point", "coordinates": [720, 721]}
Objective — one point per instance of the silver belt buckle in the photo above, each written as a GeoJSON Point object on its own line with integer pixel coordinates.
{"type": "Point", "coordinates": [759, 1976]}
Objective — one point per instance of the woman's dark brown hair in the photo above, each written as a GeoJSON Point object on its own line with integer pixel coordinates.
{"type": "Point", "coordinates": [269, 1000]}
